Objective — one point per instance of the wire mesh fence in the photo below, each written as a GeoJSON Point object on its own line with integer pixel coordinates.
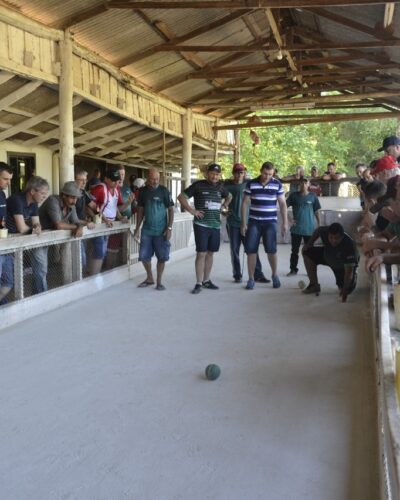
{"type": "Point", "coordinates": [28, 270]}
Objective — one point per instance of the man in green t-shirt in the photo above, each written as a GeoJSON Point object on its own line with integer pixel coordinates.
{"type": "Point", "coordinates": [156, 211]}
{"type": "Point", "coordinates": [208, 197]}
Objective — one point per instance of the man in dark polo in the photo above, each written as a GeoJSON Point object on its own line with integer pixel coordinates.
{"type": "Point", "coordinates": [339, 252]}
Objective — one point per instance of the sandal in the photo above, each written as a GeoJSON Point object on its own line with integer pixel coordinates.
{"type": "Point", "coordinates": [160, 287]}
{"type": "Point", "coordinates": [145, 283]}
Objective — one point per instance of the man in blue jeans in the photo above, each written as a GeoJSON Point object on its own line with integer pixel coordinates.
{"type": "Point", "coordinates": [262, 195]}
{"type": "Point", "coordinates": [236, 187]}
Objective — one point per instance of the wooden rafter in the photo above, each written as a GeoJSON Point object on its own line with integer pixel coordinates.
{"type": "Point", "coordinates": [234, 5]}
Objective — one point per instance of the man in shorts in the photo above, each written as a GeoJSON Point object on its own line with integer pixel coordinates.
{"type": "Point", "coordinates": [210, 196]}
{"type": "Point", "coordinates": [156, 210]}
{"type": "Point", "coordinates": [339, 252]}
{"type": "Point", "coordinates": [263, 194]}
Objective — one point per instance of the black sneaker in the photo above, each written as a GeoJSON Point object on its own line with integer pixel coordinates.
{"type": "Point", "coordinates": [316, 288]}
{"type": "Point", "coordinates": [210, 285]}
{"type": "Point", "coordinates": [262, 279]}
{"type": "Point", "coordinates": [197, 288]}
{"type": "Point", "coordinates": [292, 272]}
{"type": "Point", "coordinates": [238, 280]}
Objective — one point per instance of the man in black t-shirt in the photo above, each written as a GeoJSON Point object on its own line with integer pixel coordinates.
{"type": "Point", "coordinates": [6, 260]}
{"type": "Point", "coordinates": [339, 252]}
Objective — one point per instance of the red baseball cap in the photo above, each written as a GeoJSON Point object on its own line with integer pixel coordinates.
{"type": "Point", "coordinates": [238, 167]}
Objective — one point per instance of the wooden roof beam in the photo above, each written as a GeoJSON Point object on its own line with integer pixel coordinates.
{"type": "Point", "coordinates": [235, 4]}
{"type": "Point", "coordinates": [83, 15]}
{"type": "Point", "coordinates": [180, 39]}
{"type": "Point", "coordinates": [20, 93]}
{"type": "Point", "coordinates": [320, 119]}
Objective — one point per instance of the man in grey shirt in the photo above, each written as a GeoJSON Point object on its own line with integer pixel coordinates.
{"type": "Point", "coordinates": [59, 212]}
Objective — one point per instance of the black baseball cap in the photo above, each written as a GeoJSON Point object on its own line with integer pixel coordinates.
{"type": "Point", "coordinates": [392, 140]}
{"type": "Point", "coordinates": [113, 175]}
{"type": "Point", "coordinates": [214, 167]}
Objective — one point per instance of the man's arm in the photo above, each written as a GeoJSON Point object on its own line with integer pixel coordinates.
{"type": "Point", "coordinates": [372, 264]}
{"type": "Point", "coordinates": [244, 213]}
{"type": "Point", "coordinates": [318, 217]}
{"type": "Point", "coordinates": [168, 231]}
{"type": "Point", "coordinates": [316, 234]}
{"type": "Point", "coordinates": [348, 278]}
{"type": "Point", "coordinates": [139, 220]}
{"type": "Point", "coordinates": [283, 209]}
{"type": "Point", "coordinates": [186, 205]}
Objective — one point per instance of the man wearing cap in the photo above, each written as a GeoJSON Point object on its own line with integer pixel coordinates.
{"type": "Point", "coordinates": [387, 166]}
{"type": "Point", "coordinates": [236, 187]}
{"type": "Point", "coordinates": [156, 211]}
{"type": "Point", "coordinates": [6, 260]}
{"type": "Point", "coordinates": [108, 199]}
{"type": "Point", "coordinates": [59, 212]}
{"type": "Point", "coordinates": [306, 208]}
{"type": "Point", "coordinates": [208, 197]}
{"type": "Point", "coordinates": [262, 195]}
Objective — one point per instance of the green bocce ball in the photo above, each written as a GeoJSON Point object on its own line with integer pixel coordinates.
{"type": "Point", "coordinates": [212, 372]}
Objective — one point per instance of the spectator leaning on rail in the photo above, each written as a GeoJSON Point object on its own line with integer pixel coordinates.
{"type": "Point", "coordinates": [23, 218]}
{"type": "Point", "coordinates": [107, 198]}
{"type": "Point", "coordinates": [332, 176]}
{"type": "Point", "coordinates": [339, 252]}
{"type": "Point", "coordinates": [6, 261]}
{"type": "Point", "coordinates": [208, 195]}
{"type": "Point", "coordinates": [156, 211]}
{"type": "Point", "coordinates": [386, 167]}
{"type": "Point", "coordinates": [262, 195]}
{"type": "Point", "coordinates": [59, 212]}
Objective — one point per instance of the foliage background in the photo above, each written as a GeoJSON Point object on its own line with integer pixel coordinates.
{"type": "Point", "coordinates": [346, 143]}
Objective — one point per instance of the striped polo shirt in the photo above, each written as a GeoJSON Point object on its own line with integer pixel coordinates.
{"type": "Point", "coordinates": [207, 198]}
{"type": "Point", "coordinates": [263, 199]}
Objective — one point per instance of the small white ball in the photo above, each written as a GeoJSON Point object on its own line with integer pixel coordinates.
{"type": "Point", "coordinates": [301, 284]}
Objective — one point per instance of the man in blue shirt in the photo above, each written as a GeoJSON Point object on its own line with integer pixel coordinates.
{"type": "Point", "coordinates": [6, 262]}
{"type": "Point", "coordinates": [306, 209]}
{"type": "Point", "coordinates": [263, 194]}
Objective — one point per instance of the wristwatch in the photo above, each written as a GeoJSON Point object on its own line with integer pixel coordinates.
{"type": "Point", "coordinates": [169, 228]}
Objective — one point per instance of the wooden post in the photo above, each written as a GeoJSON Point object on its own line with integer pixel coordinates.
{"type": "Point", "coordinates": [56, 173]}
{"type": "Point", "coordinates": [65, 115]}
{"type": "Point", "coordinates": [216, 144]}
{"type": "Point", "coordinates": [236, 154]}
{"type": "Point", "coordinates": [187, 126]}
{"type": "Point", "coordinates": [164, 159]}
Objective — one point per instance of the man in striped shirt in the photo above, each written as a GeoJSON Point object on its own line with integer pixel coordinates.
{"type": "Point", "coordinates": [208, 195]}
{"type": "Point", "coordinates": [263, 194]}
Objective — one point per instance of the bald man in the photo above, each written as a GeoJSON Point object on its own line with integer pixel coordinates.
{"type": "Point", "coordinates": [156, 211]}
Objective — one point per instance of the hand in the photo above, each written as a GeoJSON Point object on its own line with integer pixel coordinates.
{"type": "Point", "coordinates": [108, 222]}
{"type": "Point", "coordinates": [136, 235]}
{"type": "Point", "coordinates": [77, 233]}
{"type": "Point", "coordinates": [284, 228]}
{"type": "Point", "coordinates": [90, 225]}
{"type": "Point", "coordinates": [369, 245]}
{"type": "Point", "coordinates": [372, 264]}
{"type": "Point", "coordinates": [124, 219]}
{"type": "Point", "coordinates": [36, 229]}
{"type": "Point", "coordinates": [167, 234]}
{"type": "Point", "coordinates": [198, 213]}
{"type": "Point", "coordinates": [343, 293]}
{"type": "Point", "coordinates": [243, 229]}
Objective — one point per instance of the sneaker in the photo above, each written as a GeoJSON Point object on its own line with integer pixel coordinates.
{"type": "Point", "coordinates": [197, 288]}
{"type": "Point", "coordinates": [238, 280]}
{"type": "Point", "coordinates": [262, 279]}
{"type": "Point", "coordinates": [210, 285]}
{"type": "Point", "coordinates": [250, 285]}
{"type": "Point", "coordinates": [315, 288]}
{"type": "Point", "coordinates": [292, 272]}
{"type": "Point", "coordinates": [276, 282]}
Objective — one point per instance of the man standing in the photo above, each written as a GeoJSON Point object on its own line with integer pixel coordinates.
{"type": "Point", "coordinates": [107, 198]}
{"type": "Point", "coordinates": [331, 188]}
{"type": "Point", "coordinates": [263, 194]}
{"type": "Point", "coordinates": [339, 252]}
{"type": "Point", "coordinates": [156, 211]}
{"type": "Point", "coordinates": [6, 260]}
{"type": "Point", "coordinates": [208, 195]}
{"type": "Point", "coordinates": [236, 188]}
{"type": "Point", "coordinates": [23, 218]}
{"type": "Point", "coordinates": [306, 209]}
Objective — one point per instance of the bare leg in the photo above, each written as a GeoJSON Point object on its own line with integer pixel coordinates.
{"type": "Point", "coordinates": [311, 269]}
{"type": "Point", "coordinates": [4, 291]}
{"type": "Point", "coordinates": [273, 262]}
{"type": "Point", "coordinates": [199, 266]}
{"type": "Point", "coordinates": [95, 266]}
{"type": "Point", "coordinates": [160, 270]}
{"type": "Point", "coordinates": [208, 262]}
{"type": "Point", "coordinates": [251, 264]}
{"type": "Point", "coordinates": [147, 266]}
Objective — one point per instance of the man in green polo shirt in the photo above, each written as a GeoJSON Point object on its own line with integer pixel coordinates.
{"type": "Point", "coordinates": [210, 196]}
{"type": "Point", "coordinates": [156, 209]}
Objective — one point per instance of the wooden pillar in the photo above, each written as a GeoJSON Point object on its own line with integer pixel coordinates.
{"type": "Point", "coordinates": [65, 115]}
{"type": "Point", "coordinates": [187, 127]}
{"type": "Point", "coordinates": [56, 173]}
{"type": "Point", "coordinates": [236, 154]}
{"type": "Point", "coordinates": [164, 161]}
{"type": "Point", "coordinates": [216, 143]}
